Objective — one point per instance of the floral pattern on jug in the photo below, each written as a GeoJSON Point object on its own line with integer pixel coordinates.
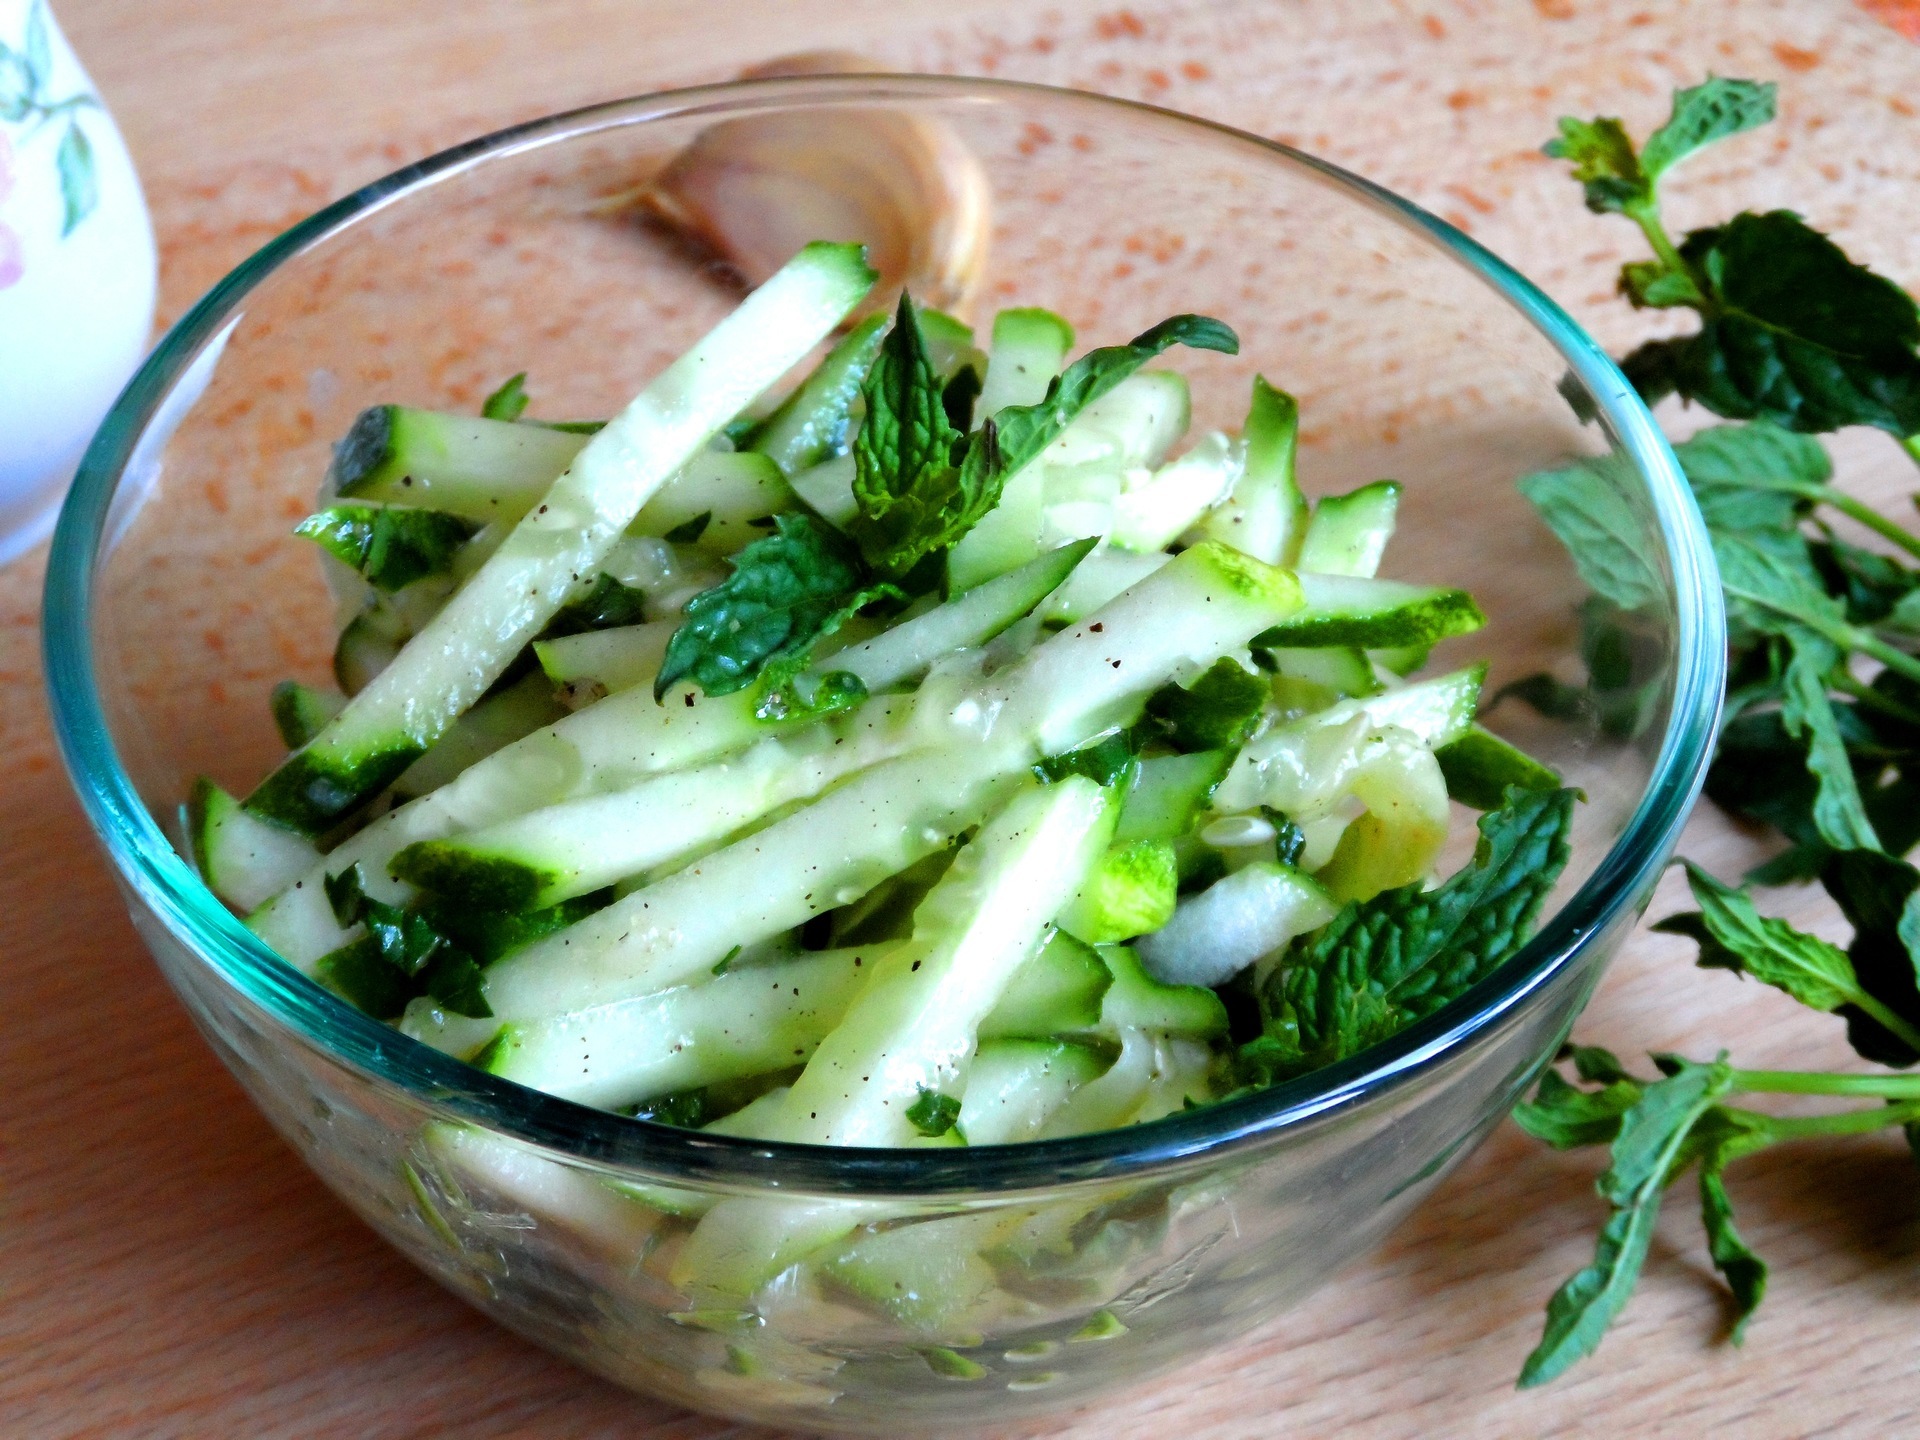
{"type": "Point", "coordinates": [77, 267]}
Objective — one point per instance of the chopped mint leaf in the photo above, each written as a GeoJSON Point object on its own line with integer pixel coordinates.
{"type": "Point", "coordinates": [391, 546]}
{"type": "Point", "coordinates": [783, 591]}
{"type": "Point", "coordinates": [609, 605]}
{"type": "Point", "coordinates": [1216, 712]}
{"type": "Point", "coordinates": [1384, 963]}
{"type": "Point", "coordinates": [509, 402]}
{"type": "Point", "coordinates": [346, 895]}
{"type": "Point", "coordinates": [687, 1109]}
{"type": "Point", "coordinates": [456, 982]}
{"type": "Point", "coordinates": [933, 1114]}
{"type": "Point", "coordinates": [357, 973]}
{"type": "Point", "coordinates": [785, 687]}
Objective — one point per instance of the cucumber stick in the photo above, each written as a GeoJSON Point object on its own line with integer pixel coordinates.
{"type": "Point", "coordinates": [1154, 511]}
{"type": "Point", "coordinates": [1348, 533]}
{"type": "Point", "coordinates": [912, 1028]}
{"type": "Point", "coordinates": [1057, 992]}
{"type": "Point", "coordinates": [1480, 766]}
{"type": "Point", "coordinates": [746, 1022]}
{"type": "Point", "coordinates": [1216, 934]}
{"type": "Point", "coordinates": [1128, 890]}
{"type": "Point", "coordinates": [1208, 601]}
{"type": "Point", "coordinates": [464, 648]}
{"type": "Point", "coordinates": [1274, 768]}
{"type": "Point", "coordinates": [1265, 515]}
{"type": "Point", "coordinates": [610, 745]}
{"type": "Point", "coordinates": [1365, 613]}
{"type": "Point", "coordinates": [1029, 349]}
{"type": "Point", "coordinates": [1015, 1086]}
{"type": "Point", "coordinates": [618, 659]}
{"type": "Point", "coordinates": [826, 854]}
{"type": "Point", "coordinates": [539, 859]}
{"type": "Point", "coordinates": [482, 469]}
{"type": "Point", "coordinates": [904, 652]}
{"type": "Point", "coordinates": [242, 858]}
{"type": "Point", "coordinates": [812, 423]}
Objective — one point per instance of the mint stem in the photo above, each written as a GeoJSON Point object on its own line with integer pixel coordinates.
{"type": "Point", "coordinates": [1847, 1122]}
{"type": "Point", "coordinates": [1868, 517]}
{"type": "Point", "coordinates": [1809, 1082]}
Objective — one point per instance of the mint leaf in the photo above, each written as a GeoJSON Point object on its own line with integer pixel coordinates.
{"type": "Point", "coordinates": [1652, 1137]}
{"type": "Point", "coordinates": [1795, 333]}
{"type": "Point", "coordinates": [1808, 715]}
{"type": "Point", "coordinates": [1382, 964]}
{"type": "Point", "coordinates": [785, 688]}
{"type": "Point", "coordinates": [914, 493]}
{"type": "Point", "coordinates": [1023, 431]}
{"type": "Point", "coordinates": [1732, 469]}
{"type": "Point", "coordinates": [509, 402]}
{"type": "Point", "coordinates": [1732, 935]}
{"type": "Point", "coordinates": [782, 593]}
{"type": "Point", "coordinates": [688, 531]}
{"type": "Point", "coordinates": [1216, 712]}
{"type": "Point", "coordinates": [1873, 891]}
{"type": "Point", "coordinates": [1744, 1271]}
{"type": "Point", "coordinates": [390, 546]}
{"type": "Point", "coordinates": [1604, 162]}
{"type": "Point", "coordinates": [1590, 506]}
{"type": "Point", "coordinates": [1703, 114]}
{"type": "Point", "coordinates": [933, 1114]}
{"type": "Point", "coordinates": [1565, 1116]}
{"type": "Point", "coordinates": [457, 983]}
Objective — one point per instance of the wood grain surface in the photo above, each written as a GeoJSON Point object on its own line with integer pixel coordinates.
{"type": "Point", "coordinates": [168, 1269]}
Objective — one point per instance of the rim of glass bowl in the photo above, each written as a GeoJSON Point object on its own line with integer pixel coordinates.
{"type": "Point", "coordinates": [164, 881]}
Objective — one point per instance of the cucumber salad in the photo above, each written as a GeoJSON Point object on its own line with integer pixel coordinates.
{"type": "Point", "coordinates": [945, 749]}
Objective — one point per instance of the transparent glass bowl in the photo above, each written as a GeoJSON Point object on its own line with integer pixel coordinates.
{"type": "Point", "coordinates": [176, 598]}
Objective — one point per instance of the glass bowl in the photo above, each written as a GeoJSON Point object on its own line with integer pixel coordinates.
{"type": "Point", "coordinates": [1035, 1275]}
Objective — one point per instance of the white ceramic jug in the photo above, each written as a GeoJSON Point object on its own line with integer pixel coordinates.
{"type": "Point", "coordinates": [77, 268]}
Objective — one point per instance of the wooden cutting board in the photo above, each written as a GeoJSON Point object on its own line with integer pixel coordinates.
{"type": "Point", "coordinates": [166, 1266]}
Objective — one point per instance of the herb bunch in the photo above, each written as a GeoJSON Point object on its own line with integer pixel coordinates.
{"type": "Point", "coordinates": [1821, 736]}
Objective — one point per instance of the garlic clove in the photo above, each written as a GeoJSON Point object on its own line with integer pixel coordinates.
{"type": "Point", "coordinates": [755, 190]}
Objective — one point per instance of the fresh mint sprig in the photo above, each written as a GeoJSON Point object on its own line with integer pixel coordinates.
{"type": "Point", "coordinates": [1821, 739]}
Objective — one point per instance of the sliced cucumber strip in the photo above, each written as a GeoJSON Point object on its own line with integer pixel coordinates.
{"type": "Point", "coordinates": [1128, 890]}
{"type": "Point", "coordinates": [1029, 348]}
{"type": "Point", "coordinates": [1152, 514]}
{"type": "Point", "coordinates": [928, 1277]}
{"type": "Point", "coordinates": [1314, 678]}
{"type": "Point", "coordinates": [1266, 515]}
{"type": "Point", "coordinates": [1207, 602]}
{"type": "Point", "coordinates": [972, 619]}
{"type": "Point", "coordinates": [1367, 614]}
{"type": "Point", "coordinates": [578, 846]}
{"type": "Point", "coordinates": [813, 423]}
{"type": "Point", "coordinates": [1015, 1086]}
{"type": "Point", "coordinates": [464, 648]}
{"type": "Point", "coordinates": [712, 502]}
{"type": "Point", "coordinates": [1139, 1000]}
{"type": "Point", "coordinates": [462, 464]}
{"type": "Point", "coordinates": [242, 858]}
{"type": "Point", "coordinates": [826, 854]}
{"type": "Point", "coordinates": [828, 490]}
{"type": "Point", "coordinates": [1168, 794]}
{"type": "Point", "coordinates": [1216, 934]}
{"type": "Point", "coordinates": [610, 745]}
{"type": "Point", "coordinates": [1399, 837]}
{"type": "Point", "coordinates": [745, 1022]}
{"type": "Point", "coordinates": [1480, 766]}
{"type": "Point", "coordinates": [1057, 992]}
{"type": "Point", "coordinates": [1274, 767]}
{"type": "Point", "coordinates": [1101, 577]}
{"type": "Point", "coordinates": [489, 727]}
{"type": "Point", "coordinates": [1348, 533]}
{"type": "Point", "coordinates": [300, 712]}
{"type": "Point", "coordinates": [619, 659]}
